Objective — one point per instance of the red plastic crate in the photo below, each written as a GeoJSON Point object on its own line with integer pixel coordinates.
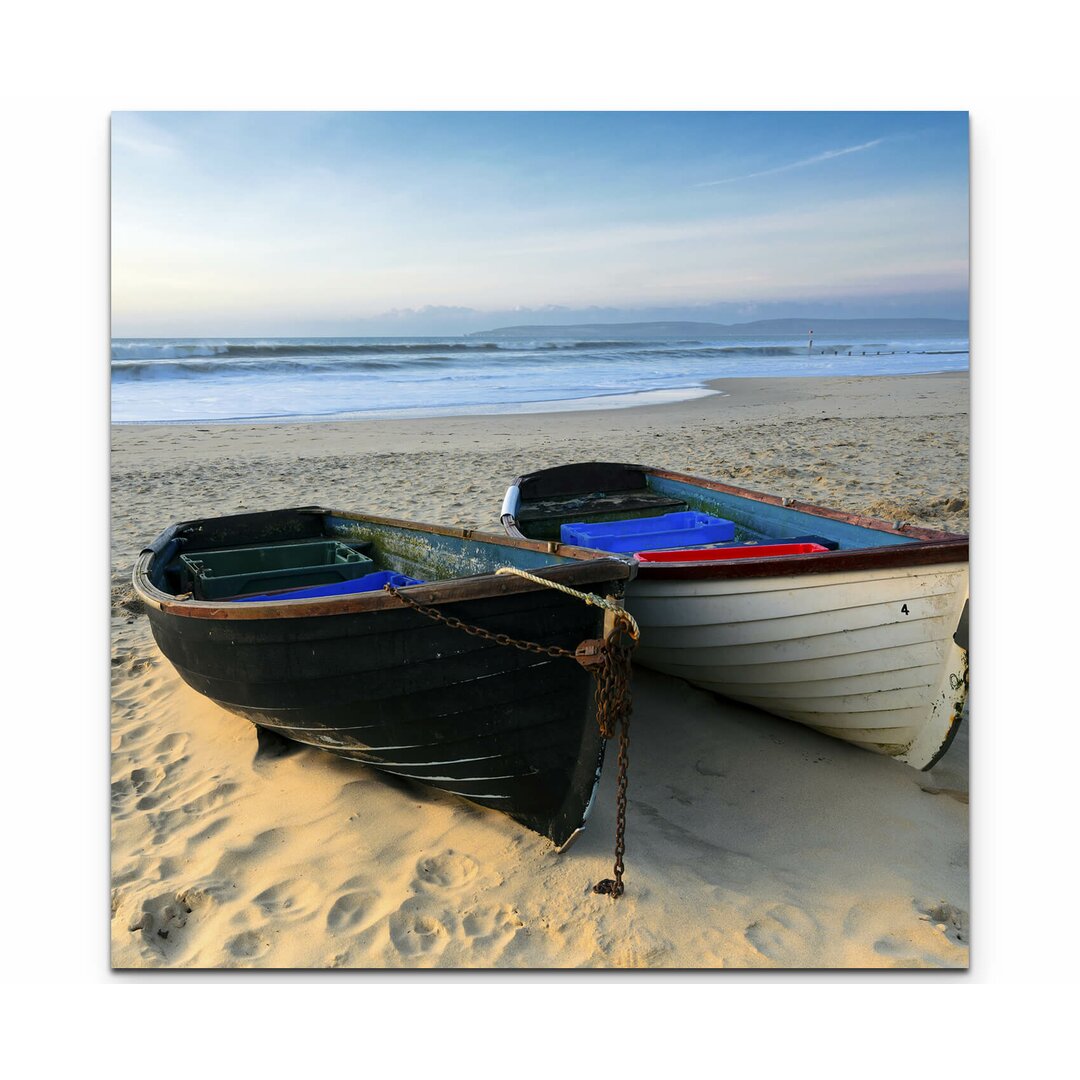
{"type": "Point", "coordinates": [754, 551]}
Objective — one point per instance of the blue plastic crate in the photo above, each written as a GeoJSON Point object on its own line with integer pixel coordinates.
{"type": "Point", "coordinates": [367, 583]}
{"type": "Point", "coordinates": [641, 534]}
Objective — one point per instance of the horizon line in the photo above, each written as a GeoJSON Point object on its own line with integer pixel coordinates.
{"type": "Point", "coordinates": [809, 320]}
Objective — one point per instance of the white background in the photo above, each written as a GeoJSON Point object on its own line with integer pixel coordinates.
{"type": "Point", "coordinates": [65, 67]}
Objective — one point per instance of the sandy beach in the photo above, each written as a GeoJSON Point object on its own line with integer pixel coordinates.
{"type": "Point", "coordinates": [751, 841]}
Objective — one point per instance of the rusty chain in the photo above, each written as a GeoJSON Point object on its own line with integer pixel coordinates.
{"type": "Point", "coordinates": [609, 661]}
{"type": "Point", "coordinates": [613, 707]}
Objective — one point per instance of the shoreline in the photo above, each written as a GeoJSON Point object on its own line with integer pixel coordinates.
{"type": "Point", "coordinates": [793, 397]}
{"type": "Point", "coordinates": [591, 403]}
{"type": "Point", "coordinates": [601, 403]}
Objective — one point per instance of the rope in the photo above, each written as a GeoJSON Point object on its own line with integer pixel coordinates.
{"type": "Point", "coordinates": [589, 598]}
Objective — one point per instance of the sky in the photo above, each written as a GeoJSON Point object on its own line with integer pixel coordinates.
{"type": "Point", "coordinates": [292, 224]}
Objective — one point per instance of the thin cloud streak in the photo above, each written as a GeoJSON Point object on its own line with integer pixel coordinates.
{"type": "Point", "coordinates": [133, 132]}
{"type": "Point", "coordinates": [825, 156]}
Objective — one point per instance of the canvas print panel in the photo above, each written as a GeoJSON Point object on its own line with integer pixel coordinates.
{"type": "Point", "coordinates": [539, 540]}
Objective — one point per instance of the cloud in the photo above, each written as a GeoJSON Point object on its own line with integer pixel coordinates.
{"type": "Point", "coordinates": [134, 133]}
{"type": "Point", "coordinates": [825, 156]}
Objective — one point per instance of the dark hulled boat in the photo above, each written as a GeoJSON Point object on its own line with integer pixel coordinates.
{"type": "Point", "coordinates": [365, 677]}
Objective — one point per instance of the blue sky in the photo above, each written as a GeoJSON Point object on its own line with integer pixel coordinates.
{"type": "Point", "coordinates": [339, 223]}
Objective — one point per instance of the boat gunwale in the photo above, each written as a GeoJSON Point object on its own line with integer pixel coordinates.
{"type": "Point", "coordinates": [863, 520]}
{"type": "Point", "coordinates": [589, 567]}
{"type": "Point", "coordinates": [923, 553]}
{"type": "Point", "coordinates": [929, 547]}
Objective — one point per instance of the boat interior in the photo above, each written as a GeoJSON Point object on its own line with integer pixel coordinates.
{"type": "Point", "coordinates": [569, 502]}
{"type": "Point", "coordinates": [295, 554]}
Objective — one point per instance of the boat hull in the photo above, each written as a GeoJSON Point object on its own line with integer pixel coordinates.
{"type": "Point", "coordinates": [865, 656]}
{"type": "Point", "coordinates": [504, 728]}
{"type": "Point", "coordinates": [373, 680]}
{"type": "Point", "coordinates": [862, 642]}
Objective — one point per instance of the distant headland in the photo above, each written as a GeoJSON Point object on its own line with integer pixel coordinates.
{"type": "Point", "coordinates": [822, 327]}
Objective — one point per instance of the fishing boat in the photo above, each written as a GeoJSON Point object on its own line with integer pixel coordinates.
{"type": "Point", "coordinates": [283, 618]}
{"type": "Point", "coordinates": [852, 625]}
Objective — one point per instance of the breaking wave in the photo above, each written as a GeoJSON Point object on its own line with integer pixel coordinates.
{"type": "Point", "coordinates": [126, 349]}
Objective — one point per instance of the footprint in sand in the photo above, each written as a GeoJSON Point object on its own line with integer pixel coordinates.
{"type": "Point", "coordinates": [900, 953]}
{"type": "Point", "coordinates": [124, 598]}
{"type": "Point", "coordinates": [449, 870]}
{"type": "Point", "coordinates": [144, 780]}
{"type": "Point", "coordinates": [203, 895]}
{"type": "Point", "coordinates": [784, 934]}
{"type": "Point", "coordinates": [163, 922]}
{"type": "Point", "coordinates": [489, 924]}
{"type": "Point", "coordinates": [952, 921]}
{"type": "Point", "coordinates": [350, 910]}
{"type": "Point", "coordinates": [139, 664]}
{"type": "Point", "coordinates": [416, 934]}
{"type": "Point", "coordinates": [182, 800]}
{"type": "Point", "coordinates": [248, 946]}
{"type": "Point", "coordinates": [292, 899]}
{"type": "Point", "coordinates": [171, 747]}
{"type": "Point", "coordinates": [641, 949]}
{"type": "Point", "coordinates": [151, 785]}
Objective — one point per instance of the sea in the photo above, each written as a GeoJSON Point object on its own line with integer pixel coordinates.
{"type": "Point", "coordinates": [207, 380]}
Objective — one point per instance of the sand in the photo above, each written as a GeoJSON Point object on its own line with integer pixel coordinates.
{"type": "Point", "coordinates": [751, 841]}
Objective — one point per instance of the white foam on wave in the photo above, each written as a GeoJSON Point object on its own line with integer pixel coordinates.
{"type": "Point", "coordinates": [418, 381]}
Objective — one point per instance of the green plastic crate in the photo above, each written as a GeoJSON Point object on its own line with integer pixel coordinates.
{"type": "Point", "coordinates": [236, 571]}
